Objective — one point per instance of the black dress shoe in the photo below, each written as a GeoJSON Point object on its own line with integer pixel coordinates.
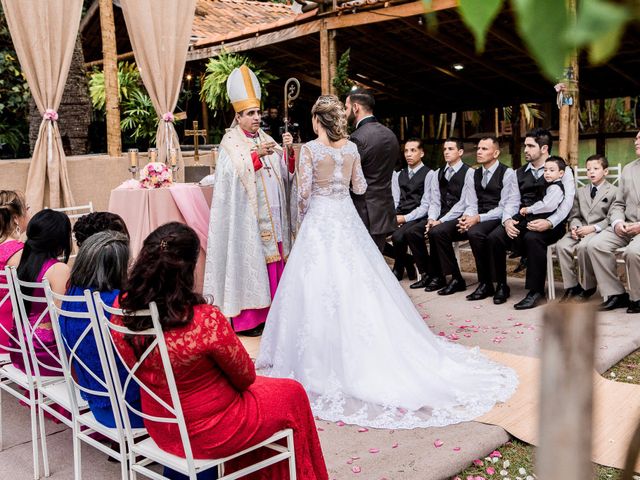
{"type": "Point", "coordinates": [483, 291]}
{"type": "Point", "coordinates": [254, 332]}
{"type": "Point", "coordinates": [455, 285]}
{"type": "Point", "coordinates": [411, 272]}
{"type": "Point", "coordinates": [423, 282]}
{"type": "Point", "coordinates": [521, 266]}
{"type": "Point", "coordinates": [615, 301]}
{"type": "Point", "coordinates": [571, 293]}
{"type": "Point", "coordinates": [634, 306]}
{"type": "Point", "coordinates": [584, 295]}
{"type": "Point", "coordinates": [532, 300]}
{"type": "Point", "coordinates": [399, 273]}
{"type": "Point", "coordinates": [436, 283]}
{"type": "Point", "coordinates": [502, 293]}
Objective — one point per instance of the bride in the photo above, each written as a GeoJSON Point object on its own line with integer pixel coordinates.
{"type": "Point", "coordinates": [342, 325]}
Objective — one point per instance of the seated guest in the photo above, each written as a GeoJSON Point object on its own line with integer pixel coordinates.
{"type": "Point", "coordinates": [48, 237]}
{"type": "Point", "coordinates": [226, 407]}
{"type": "Point", "coordinates": [589, 216]}
{"type": "Point", "coordinates": [95, 222]}
{"type": "Point", "coordinates": [449, 187]}
{"type": "Point", "coordinates": [625, 225]}
{"type": "Point", "coordinates": [14, 216]}
{"type": "Point", "coordinates": [410, 183]}
{"type": "Point", "coordinates": [495, 188]}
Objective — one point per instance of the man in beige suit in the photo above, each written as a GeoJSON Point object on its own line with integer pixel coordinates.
{"type": "Point", "coordinates": [625, 226]}
{"type": "Point", "coordinates": [589, 216]}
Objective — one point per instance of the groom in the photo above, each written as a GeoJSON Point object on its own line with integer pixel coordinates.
{"type": "Point", "coordinates": [249, 238]}
{"type": "Point", "coordinates": [379, 153]}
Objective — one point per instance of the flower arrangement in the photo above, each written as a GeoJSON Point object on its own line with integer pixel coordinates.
{"type": "Point", "coordinates": [155, 175]}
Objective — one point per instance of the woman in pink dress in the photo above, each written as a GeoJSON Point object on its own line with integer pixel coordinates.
{"type": "Point", "coordinates": [14, 216]}
{"type": "Point", "coordinates": [227, 408]}
{"type": "Point", "coordinates": [48, 237]}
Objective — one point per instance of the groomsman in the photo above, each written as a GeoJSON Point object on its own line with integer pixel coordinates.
{"type": "Point", "coordinates": [410, 183]}
{"type": "Point", "coordinates": [540, 233]}
{"type": "Point", "coordinates": [625, 225]}
{"type": "Point", "coordinates": [446, 203]}
{"type": "Point", "coordinates": [589, 216]}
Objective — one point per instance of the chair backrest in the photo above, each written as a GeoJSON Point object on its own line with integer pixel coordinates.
{"type": "Point", "coordinates": [615, 172]}
{"type": "Point", "coordinates": [32, 340]}
{"type": "Point", "coordinates": [14, 334]}
{"type": "Point", "coordinates": [156, 343]}
{"type": "Point", "coordinates": [70, 358]}
{"type": "Point", "coordinates": [76, 211]}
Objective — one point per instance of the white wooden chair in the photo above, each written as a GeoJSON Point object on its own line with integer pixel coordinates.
{"type": "Point", "coordinates": [85, 424]}
{"type": "Point", "coordinates": [580, 176]}
{"type": "Point", "coordinates": [76, 211]}
{"type": "Point", "coordinates": [19, 384]}
{"type": "Point", "coordinates": [144, 452]}
{"type": "Point", "coordinates": [51, 390]}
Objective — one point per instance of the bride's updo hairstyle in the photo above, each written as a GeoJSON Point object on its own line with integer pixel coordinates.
{"type": "Point", "coordinates": [330, 112]}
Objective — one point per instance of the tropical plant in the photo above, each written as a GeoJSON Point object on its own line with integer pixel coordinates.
{"type": "Point", "coordinates": [214, 89]}
{"type": "Point", "coordinates": [551, 30]}
{"type": "Point", "coordinates": [341, 81]}
{"type": "Point", "coordinates": [528, 112]}
{"type": "Point", "coordinates": [140, 116]}
{"type": "Point", "coordinates": [129, 81]}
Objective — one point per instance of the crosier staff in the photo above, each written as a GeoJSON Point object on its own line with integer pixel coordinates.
{"type": "Point", "coordinates": [291, 92]}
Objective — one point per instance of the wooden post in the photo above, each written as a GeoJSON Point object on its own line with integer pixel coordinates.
{"type": "Point", "coordinates": [496, 119]}
{"type": "Point", "coordinates": [516, 125]}
{"type": "Point", "coordinates": [574, 118]}
{"type": "Point", "coordinates": [566, 392]}
{"type": "Point", "coordinates": [325, 68]}
{"type": "Point", "coordinates": [205, 118]}
{"type": "Point", "coordinates": [333, 60]}
{"type": "Point", "coordinates": [601, 139]}
{"type": "Point", "coordinates": [110, 56]}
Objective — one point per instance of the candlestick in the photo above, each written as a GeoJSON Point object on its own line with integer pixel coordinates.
{"type": "Point", "coordinates": [133, 161]}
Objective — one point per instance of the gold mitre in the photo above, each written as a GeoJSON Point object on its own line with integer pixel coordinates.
{"type": "Point", "coordinates": [243, 89]}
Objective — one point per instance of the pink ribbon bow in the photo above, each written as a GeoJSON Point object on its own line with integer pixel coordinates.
{"type": "Point", "coordinates": [50, 114]}
{"type": "Point", "coordinates": [168, 117]}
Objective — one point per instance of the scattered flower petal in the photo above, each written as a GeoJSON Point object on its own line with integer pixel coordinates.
{"type": "Point", "coordinates": [522, 471]}
{"type": "Point", "coordinates": [356, 469]}
{"type": "Point", "coordinates": [438, 443]}
{"type": "Point", "coordinates": [340, 423]}
{"type": "Point", "coordinates": [506, 464]}
{"type": "Point", "coordinates": [362, 430]}
{"type": "Point", "coordinates": [456, 449]}
{"type": "Point", "coordinates": [478, 463]}
{"type": "Point", "coordinates": [395, 445]}
{"type": "Point", "coordinates": [374, 450]}
{"type": "Point", "coordinates": [490, 470]}
{"type": "Point", "coordinates": [495, 454]}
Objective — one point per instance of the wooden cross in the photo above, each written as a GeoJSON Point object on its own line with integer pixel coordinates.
{"type": "Point", "coordinates": [196, 134]}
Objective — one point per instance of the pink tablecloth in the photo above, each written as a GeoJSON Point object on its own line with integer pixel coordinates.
{"type": "Point", "coordinates": [145, 210]}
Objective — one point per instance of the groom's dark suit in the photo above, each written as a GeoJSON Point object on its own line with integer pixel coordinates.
{"type": "Point", "coordinates": [379, 153]}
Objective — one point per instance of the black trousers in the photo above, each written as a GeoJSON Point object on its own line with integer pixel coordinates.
{"type": "Point", "coordinates": [380, 240]}
{"type": "Point", "coordinates": [414, 235]}
{"type": "Point", "coordinates": [534, 247]}
{"type": "Point", "coordinates": [400, 245]}
{"type": "Point", "coordinates": [478, 241]}
{"type": "Point", "coordinates": [441, 238]}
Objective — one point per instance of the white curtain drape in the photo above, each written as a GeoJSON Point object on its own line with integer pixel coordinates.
{"type": "Point", "coordinates": [159, 31]}
{"type": "Point", "coordinates": [44, 34]}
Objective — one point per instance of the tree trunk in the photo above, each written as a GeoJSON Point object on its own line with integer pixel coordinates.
{"type": "Point", "coordinates": [74, 111]}
{"type": "Point", "coordinates": [110, 65]}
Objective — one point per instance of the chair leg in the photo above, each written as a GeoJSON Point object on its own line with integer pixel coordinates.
{"type": "Point", "coordinates": [43, 439]}
{"type": "Point", "coordinates": [77, 453]}
{"type": "Point", "coordinates": [1, 444]}
{"type": "Point", "coordinates": [551, 287]}
{"type": "Point", "coordinates": [292, 459]}
{"type": "Point", "coordinates": [34, 437]}
{"type": "Point", "coordinates": [132, 459]}
{"type": "Point", "coordinates": [124, 458]}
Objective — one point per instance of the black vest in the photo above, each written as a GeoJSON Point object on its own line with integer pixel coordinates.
{"type": "Point", "coordinates": [547, 214]}
{"type": "Point", "coordinates": [451, 191]}
{"type": "Point", "coordinates": [411, 190]}
{"type": "Point", "coordinates": [531, 190]}
{"type": "Point", "coordinates": [489, 197]}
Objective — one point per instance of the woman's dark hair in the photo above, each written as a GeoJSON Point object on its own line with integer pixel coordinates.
{"type": "Point", "coordinates": [48, 236]}
{"type": "Point", "coordinates": [95, 222]}
{"type": "Point", "coordinates": [102, 262]}
{"type": "Point", "coordinates": [164, 273]}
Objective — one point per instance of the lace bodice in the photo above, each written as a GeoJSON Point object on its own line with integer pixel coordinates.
{"type": "Point", "coordinates": [328, 171]}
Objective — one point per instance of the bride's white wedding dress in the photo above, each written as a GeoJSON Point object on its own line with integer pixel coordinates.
{"type": "Point", "coordinates": [342, 325]}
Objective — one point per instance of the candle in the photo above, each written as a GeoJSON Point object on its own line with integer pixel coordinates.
{"type": "Point", "coordinates": [174, 154]}
{"type": "Point", "coordinates": [153, 154]}
{"type": "Point", "coordinates": [133, 157]}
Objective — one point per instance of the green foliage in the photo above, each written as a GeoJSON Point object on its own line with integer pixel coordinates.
{"type": "Point", "coordinates": [129, 81]}
{"type": "Point", "coordinates": [341, 81]}
{"type": "Point", "coordinates": [140, 116]}
{"type": "Point", "coordinates": [529, 112]}
{"type": "Point", "coordinates": [214, 87]}
{"type": "Point", "coordinates": [478, 16]}
{"type": "Point", "coordinates": [14, 94]}
{"type": "Point", "coordinates": [550, 31]}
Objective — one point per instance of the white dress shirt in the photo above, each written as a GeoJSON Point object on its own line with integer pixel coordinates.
{"type": "Point", "coordinates": [509, 196]}
{"type": "Point", "coordinates": [456, 210]}
{"type": "Point", "coordinates": [549, 203]}
{"type": "Point", "coordinates": [395, 185]}
{"type": "Point", "coordinates": [421, 210]}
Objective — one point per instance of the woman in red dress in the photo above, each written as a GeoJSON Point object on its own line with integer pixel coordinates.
{"type": "Point", "coordinates": [227, 408]}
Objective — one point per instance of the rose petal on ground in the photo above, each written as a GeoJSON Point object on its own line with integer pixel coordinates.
{"type": "Point", "coordinates": [340, 423]}
{"type": "Point", "coordinates": [320, 429]}
{"type": "Point", "coordinates": [374, 450]}
{"type": "Point", "coordinates": [362, 430]}
{"type": "Point", "coordinates": [356, 469]}
{"type": "Point", "coordinates": [395, 445]}
{"type": "Point", "coordinates": [491, 470]}
{"type": "Point", "coordinates": [478, 463]}
{"type": "Point", "coordinates": [456, 449]}
{"type": "Point", "coordinates": [355, 458]}
{"type": "Point", "coordinates": [496, 454]}
{"type": "Point", "coordinates": [349, 462]}
{"type": "Point", "coordinates": [438, 443]}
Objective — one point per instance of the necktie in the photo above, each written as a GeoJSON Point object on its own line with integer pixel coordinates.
{"type": "Point", "coordinates": [485, 178]}
{"type": "Point", "coordinates": [411, 173]}
{"type": "Point", "coordinates": [594, 191]}
{"type": "Point", "coordinates": [448, 173]}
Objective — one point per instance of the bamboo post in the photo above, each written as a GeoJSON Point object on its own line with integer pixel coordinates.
{"type": "Point", "coordinates": [496, 119]}
{"type": "Point", "coordinates": [110, 66]}
{"type": "Point", "coordinates": [566, 392]}
{"type": "Point", "coordinates": [333, 61]}
{"type": "Point", "coordinates": [568, 131]}
{"type": "Point", "coordinates": [325, 69]}
{"type": "Point", "coordinates": [574, 120]}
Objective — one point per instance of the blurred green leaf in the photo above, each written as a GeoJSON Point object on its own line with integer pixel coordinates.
{"type": "Point", "coordinates": [478, 15]}
{"type": "Point", "coordinates": [542, 25]}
